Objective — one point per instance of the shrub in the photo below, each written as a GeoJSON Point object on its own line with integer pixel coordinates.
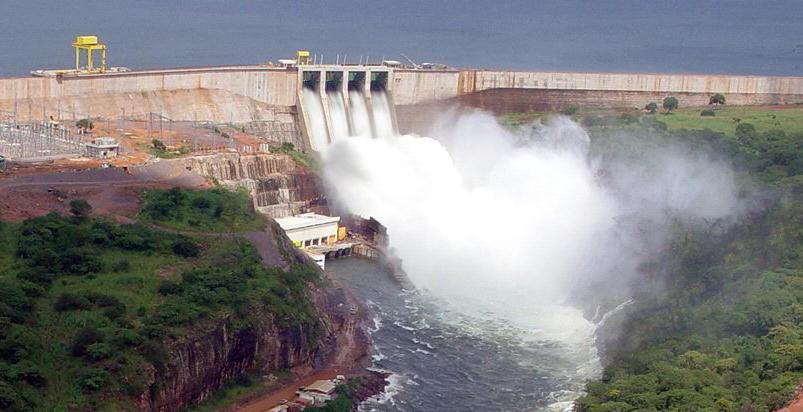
{"type": "Point", "coordinates": [85, 124]}
{"type": "Point", "coordinates": [168, 287]}
{"type": "Point", "coordinates": [569, 111]}
{"type": "Point", "coordinates": [158, 145]}
{"type": "Point", "coordinates": [201, 203]}
{"type": "Point", "coordinates": [80, 208]}
{"type": "Point", "coordinates": [651, 107]}
{"type": "Point", "coordinates": [98, 351]}
{"type": "Point", "coordinates": [93, 380]}
{"type": "Point", "coordinates": [83, 339]}
{"type": "Point", "coordinates": [185, 248]}
{"type": "Point", "coordinates": [671, 103]}
{"type": "Point", "coordinates": [70, 301]}
{"type": "Point", "coordinates": [717, 99]}
{"type": "Point", "coordinates": [121, 265]}
{"type": "Point", "coordinates": [708, 112]}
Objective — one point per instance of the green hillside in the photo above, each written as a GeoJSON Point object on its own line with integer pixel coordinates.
{"type": "Point", "coordinates": [87, 304]}
{"type": "Point", "coordinates": [725, 330]}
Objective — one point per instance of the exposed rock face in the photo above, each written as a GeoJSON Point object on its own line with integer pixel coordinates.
{"type": "Point", "coordinates": [277, 184]}
{"type": "Point", "coordinates": [202, 363]}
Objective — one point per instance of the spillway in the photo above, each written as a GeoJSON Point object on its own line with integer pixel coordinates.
{"type": "Point", "coordinates": [335, 104]}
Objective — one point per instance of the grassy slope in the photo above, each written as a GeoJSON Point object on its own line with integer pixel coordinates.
{"type": "Point", "coordinates": [789, 119]}
{"type": "Point", "coordinates": [216, 210]}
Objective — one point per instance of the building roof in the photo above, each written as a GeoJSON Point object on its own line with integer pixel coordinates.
{"type": "Point", "coordinates": [305, 220]}
{"type": "Point", "coordinates": [321, 386]}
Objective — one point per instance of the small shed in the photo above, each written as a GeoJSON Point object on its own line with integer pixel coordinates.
{"type": "Point", "coordinates": [103, 148]}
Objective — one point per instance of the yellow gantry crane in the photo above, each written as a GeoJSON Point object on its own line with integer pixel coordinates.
{"type": "Point", "coordinates": [89, 44]}
{"type": "Point", "coordinates": [302, 57]}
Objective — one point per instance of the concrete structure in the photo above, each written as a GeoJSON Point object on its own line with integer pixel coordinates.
{"type": "Point", "coordinates": [322, 79]}
{"type": "Point", "coordinates": [241, 94]}
{"type": "Point", "coordinates": [278, 86]}
{"type": "Point", "coordinates": [103, 148]}
{"type": "Point", "coordinates": [310, 229]}
{"type": "Point", "coordinates": [318, 393]}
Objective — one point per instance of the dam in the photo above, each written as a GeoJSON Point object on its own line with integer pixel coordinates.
{"type": "Point", "coordinates": [270, 95]}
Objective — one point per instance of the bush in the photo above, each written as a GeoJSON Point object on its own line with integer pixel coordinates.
{"type": "Point", "coordinates": [569, 111]}
{"type": "Point", "coordinates": [93, 380]}
{"type": "Point", "coordinates": [671, 103]}
{"type": "Point", "coordinates": [708, 112]}
{"type": "Point", "coordinates": [158, 145]}
{"type": "Point", "coordinates": [168, 287]}
{"type": "Point", "coordinates": [121, 265]}
{"type": "Point", "coordinates": [84, 338]}
{"type": "Point", "coordinates": [85, 124]}
{"type": "Point", "coordinates": [185, 248]}
{"type": "Point", "coordinates": [201, 203]}
{"type": "Point", "coordinates": [71, 301]}
{"type": "Point", "coordinates": [80, 208]}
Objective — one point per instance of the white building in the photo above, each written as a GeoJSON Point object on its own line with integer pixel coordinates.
{"type": "Point", "coordinates": [310, 229]}
{"type": "Point", "coordinates": [319, 392]}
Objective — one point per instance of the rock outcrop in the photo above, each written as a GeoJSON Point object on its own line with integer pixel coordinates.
{"type": "Point", "coordinates": [277, 184]}
{"type": "Point", "coordinates": [199, 364]}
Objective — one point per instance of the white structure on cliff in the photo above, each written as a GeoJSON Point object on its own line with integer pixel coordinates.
{"type": "Point", "coordinates": [310, 229]}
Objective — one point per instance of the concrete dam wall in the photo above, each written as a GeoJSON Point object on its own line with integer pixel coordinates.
{"type": "Point", "coordinates": [252, 93]}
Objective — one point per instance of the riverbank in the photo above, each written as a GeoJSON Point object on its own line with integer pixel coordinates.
{"type": "Point", "coordinates": [351, 357]}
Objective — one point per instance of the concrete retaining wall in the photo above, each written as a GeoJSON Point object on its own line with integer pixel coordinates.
{"type": "Point", "coordinates": [475, 81]}
{"type": "Point", "coordinates": [271, 86]}
{"type": "Point", "coordinates": [248, 90]}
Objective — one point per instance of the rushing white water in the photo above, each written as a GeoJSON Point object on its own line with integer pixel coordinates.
{"type": "Point", "coordinates": [383, 122]}
{"type": "Point", "coordinates": [338, 116]}
{"type": "Point", "coordinates": [316, 121]}
{"type": "Point", "coordinates": [502, 226]}
{"type": "Point", "coordinates": [360, 121]}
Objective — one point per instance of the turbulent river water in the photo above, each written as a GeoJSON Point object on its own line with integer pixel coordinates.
{"type": "Point", "coordinates": [445, 361]}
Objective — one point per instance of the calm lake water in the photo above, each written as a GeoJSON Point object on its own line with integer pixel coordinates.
{"type": "Point", "coordinates": [744, 37]}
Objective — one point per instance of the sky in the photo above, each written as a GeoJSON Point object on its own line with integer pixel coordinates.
{"type": "Point", "coordinates": [681, 36]}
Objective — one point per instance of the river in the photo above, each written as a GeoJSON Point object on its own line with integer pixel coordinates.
{"type": "Point", "coordinates": [444, 361]}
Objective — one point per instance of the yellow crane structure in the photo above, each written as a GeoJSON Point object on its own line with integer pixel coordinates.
{"type": "Point", "coordinates": [89, 44]}
{"type": "Point", "coordinates": [303, 57]}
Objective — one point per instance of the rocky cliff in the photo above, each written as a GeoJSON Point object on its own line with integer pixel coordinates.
{"type": "Point", "coordinates": [211, 354]}
{"type": "Point", "coordinates": [278, 185]}
{"type": "Point", "coordinates": [199, 364]}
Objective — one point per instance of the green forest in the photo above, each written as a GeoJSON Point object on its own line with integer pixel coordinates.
{"type": "Point", "coordinates": [724, 331]}
{"type": "Point", "coordinates": [87, 305]}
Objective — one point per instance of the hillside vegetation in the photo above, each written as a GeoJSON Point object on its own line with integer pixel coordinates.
{"type": "Point", "coordinates": [215, 210]}
{"type": "Point", "coordinates": [88, 305]}
{"type": "Point", "coordinates": [725, 333]}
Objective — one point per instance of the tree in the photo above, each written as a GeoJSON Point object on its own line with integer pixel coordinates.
{"type": "Point", "coordinates": [671, 103]}
{"type": "Point", "coordinates": [717, 99]}
{"type": "Point", "coordinates": [80, 208]}
{"type": "Point", "coordinates": [652, 107]}
{"type": "Point", "coordinates": [746, 132]}
{"type": "Point", "coordinates": [158, 145]}
{"type": "Point", "coordinates": [85, 124]}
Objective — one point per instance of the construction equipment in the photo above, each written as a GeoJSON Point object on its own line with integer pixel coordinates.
{"type": "Point", "coordinates": [89, 44]}
{"type": "Point", "coordinates": [302, 57]}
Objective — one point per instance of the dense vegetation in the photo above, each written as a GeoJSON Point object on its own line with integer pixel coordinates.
{"type": "Point", "coordinates": [215, 210]}
{"type": "Point", "coordinates": [87, 306]}
{"type": "Point", "coordinates": [725, 332]}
